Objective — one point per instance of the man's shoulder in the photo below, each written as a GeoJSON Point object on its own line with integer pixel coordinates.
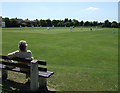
{"type": "Point", "coordinates": [13, 53]}
{"type": "Point", "coordinates": [17, 51]}
{"type": "Point", "coordinates": [28, 51]}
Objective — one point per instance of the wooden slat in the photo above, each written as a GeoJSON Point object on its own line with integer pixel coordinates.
{"type": "Point", "coordinates": [22, 59]}
{"type": "Point", "coordinates": [17, 69]}
{"type": "Point", "coordinates": [16, 59]}
{"type": "Point", "coordinates": [42, 62]}
{"type": "Point", "coordinates": [42, 69]}
{"type": "Point", "coordinates": [15, 64]}
{"type": "Point", "coordinates": [3, 57]}
{"type": "Point", "coordinates": [45, 74]}
{"type": "Point", "coordinates": [21, 65]}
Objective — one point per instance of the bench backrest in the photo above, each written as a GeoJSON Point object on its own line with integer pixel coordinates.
{"type": "Point", "coordinates": [21, 65]}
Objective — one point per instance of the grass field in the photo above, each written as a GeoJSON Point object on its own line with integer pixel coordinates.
{"type": "Point", "coordinates": [82, 60]}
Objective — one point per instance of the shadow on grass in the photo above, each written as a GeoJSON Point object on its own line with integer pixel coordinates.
{"type": "Point", "coordinates": [9, 86]}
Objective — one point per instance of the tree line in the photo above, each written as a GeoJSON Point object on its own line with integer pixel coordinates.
{"type": "Point", "coordinates": [15, 22]}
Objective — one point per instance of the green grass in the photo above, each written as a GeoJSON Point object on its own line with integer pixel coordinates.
{"type": "Point", "coordinates": [82, 60]}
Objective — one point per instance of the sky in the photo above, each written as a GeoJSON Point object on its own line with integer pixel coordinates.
{"type": "Point", "coordinates": [86, 11]}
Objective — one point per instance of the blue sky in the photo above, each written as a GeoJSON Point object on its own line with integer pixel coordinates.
{"type": "Point", "coordinates": [91, 11]}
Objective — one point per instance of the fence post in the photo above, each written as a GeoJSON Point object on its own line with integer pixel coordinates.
{"type": "Point", "coordinates": [34, 76]}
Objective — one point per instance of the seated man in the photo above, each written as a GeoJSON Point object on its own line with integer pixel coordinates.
{"type": "Point", "coordinates": [22, 53]}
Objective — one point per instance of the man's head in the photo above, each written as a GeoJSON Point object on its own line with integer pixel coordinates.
{"type": "Point", "coordinates": [22, 45]}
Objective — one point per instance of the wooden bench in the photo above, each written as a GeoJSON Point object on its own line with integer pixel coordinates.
{"type": "Point", "coordinates": [38, 75]}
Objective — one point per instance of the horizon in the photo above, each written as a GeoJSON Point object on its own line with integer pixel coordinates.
{"type": "Point", "coordinates": [59, 19]}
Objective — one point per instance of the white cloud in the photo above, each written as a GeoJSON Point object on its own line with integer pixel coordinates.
{"type": "Point", "coordinates": [92, 8]}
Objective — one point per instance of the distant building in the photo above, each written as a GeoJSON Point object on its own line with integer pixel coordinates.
{"type": "Point", "coordinates": [19, 20]}
{"type": "Point", "coordinates": [3, 24]}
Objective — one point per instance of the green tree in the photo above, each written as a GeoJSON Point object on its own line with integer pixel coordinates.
{"type": "Point", "coordinates": [66, 20]}
{"type": "Point", "coordinates": [7, 22]}
{"type": "Point", "coordinates": [95, 23]}
{"type": "Point", "coordinates": [48, 21]}
{"type": "Point", "coordinates": [71, 23]}
{"type": "Point", "coordinates": [23, 24]}
{"type": "Point", "coordinates": [43, 23]}
{"type": "Point", "coordinates": [60, 24]}
{"type": "Point", "coordinates": [100, 24]}
{"type": "Point", "coordinates": [75, 22]}
{"type": "Point", "coordinates": [67, 24]}
{"type": "Point", "coordinates": [90, 23]}
{"type": "Point", "coordinates": [114, 24]}
{"type": "Point", "coordinates": [37, 22]}
{"type": "Point", "coordinates": [54, 22]}
{"type": "Point", "coordinates": [107, 23]}
{"type": "Point", "coordinates": [14, 23]}
{"type": "Point", "coordinates": [28, 23]}
{"type": "Point", "coordinates": [69, 20]}
{"type": "Point", "coordinates": [119, 24]}
{"type": "Point", "coordinates": [87, 23]}
{"type": "Point", "coordinates": [81, 23]}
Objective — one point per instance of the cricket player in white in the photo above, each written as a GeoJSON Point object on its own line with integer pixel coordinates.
{"type": "Point", "coordinates": [71, 28]}
{"type": "Point", "coordinates": [81, 28]}
{"type": "Point", "coordinates": [113, 30]}
{"type": "Point", "coordinates": [47, 28]}
{"type": "Point", "coordinates": [32, 26]}
{"type": "Point", "coordinates": [90, 27]}
{"type": "Point", "coordinates": [53, 26]}
{"type": "Point", "coordinates": [20, 27]}
{"type": "Point", "coordinates": [40, 26]}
